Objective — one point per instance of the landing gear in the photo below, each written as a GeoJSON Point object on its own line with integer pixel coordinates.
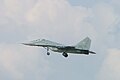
{"type": "Point", "coordinates": [65, 54]}
{"type": "Point", "coordinates": [48, 53]}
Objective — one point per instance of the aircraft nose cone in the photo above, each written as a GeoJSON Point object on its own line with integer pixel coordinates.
{"type": "Point", "coordinates": [30, 44]}
{"type": "Point", "coordinates": [24, 43]}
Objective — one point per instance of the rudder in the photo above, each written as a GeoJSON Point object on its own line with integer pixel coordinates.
{"type": "Point", "coordinates": [84, 44]}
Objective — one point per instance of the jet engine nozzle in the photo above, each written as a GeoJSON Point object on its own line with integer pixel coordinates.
{"type": "Point", "coordinates": [92, 52]}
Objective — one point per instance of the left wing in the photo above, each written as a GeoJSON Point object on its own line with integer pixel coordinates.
{"type": "Point", "coordinates": [44, 43]}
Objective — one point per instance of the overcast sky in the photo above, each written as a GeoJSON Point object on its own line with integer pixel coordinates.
{"type": "Point", "coordinates": [62, 21]}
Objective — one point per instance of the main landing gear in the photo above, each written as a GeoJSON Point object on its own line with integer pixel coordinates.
{"type": "Point", "coordinates": [65, 54]}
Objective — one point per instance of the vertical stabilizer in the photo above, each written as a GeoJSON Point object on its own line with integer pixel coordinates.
{"type": "Point", "coordinates": [84, 44]}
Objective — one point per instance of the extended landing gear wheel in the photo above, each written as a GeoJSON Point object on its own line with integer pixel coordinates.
{"type": "Point", "coordinates": [65, 54]}
{"type": "Point", "coordinates": [48, 53]}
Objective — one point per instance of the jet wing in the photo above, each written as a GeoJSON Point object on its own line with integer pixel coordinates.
{"type": "Point", "coordinates": [44, 43]}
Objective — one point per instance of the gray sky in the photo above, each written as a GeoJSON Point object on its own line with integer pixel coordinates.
{"type": "Point", "coordinates": [66, 22]}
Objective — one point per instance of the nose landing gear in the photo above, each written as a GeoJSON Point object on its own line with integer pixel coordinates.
{"type": "Point", "coordinates": [48, 53]}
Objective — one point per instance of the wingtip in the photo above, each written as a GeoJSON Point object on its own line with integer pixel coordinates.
{"type": "Point", "coordinates": [88, 37]}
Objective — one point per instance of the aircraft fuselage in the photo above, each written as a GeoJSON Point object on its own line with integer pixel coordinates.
{"type": "Point", "coordinates": [81, 48]}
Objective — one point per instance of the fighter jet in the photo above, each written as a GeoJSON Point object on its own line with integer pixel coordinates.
{"type": "Point", "coordinates": [81, 48]}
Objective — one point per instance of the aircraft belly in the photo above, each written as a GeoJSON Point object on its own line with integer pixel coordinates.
{"type": "Point", "coordinates": [77, 51]}
{"type": "Point", "coordinates": [56, 50]}
{"type": "Point", "coordinates": [74, 51]}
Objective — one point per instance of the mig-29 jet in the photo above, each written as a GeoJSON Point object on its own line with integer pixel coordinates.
{"type": "Point", "coordinates": [81, 48]}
